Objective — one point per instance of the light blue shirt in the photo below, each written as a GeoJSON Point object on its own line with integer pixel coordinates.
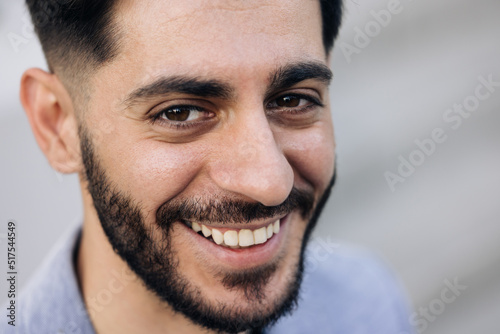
{"type": "Point", "coordinates": [343, 292]}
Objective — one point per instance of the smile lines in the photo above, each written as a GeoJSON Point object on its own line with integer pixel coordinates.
{"type": "Point", "coordinates": [237, 238]}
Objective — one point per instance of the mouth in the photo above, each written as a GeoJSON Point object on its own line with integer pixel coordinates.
{"type": "Point", "coordinates": [238, 248]}
{"type": "Point", "coordinates": [237, 238]}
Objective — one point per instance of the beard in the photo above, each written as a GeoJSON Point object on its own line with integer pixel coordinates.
{"type": "Point", "coordinates": [149, 253]}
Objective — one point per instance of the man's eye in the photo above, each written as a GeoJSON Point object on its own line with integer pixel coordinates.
{"type": "Point", "coordinates": [181, 113]}
{"type": "Point", "coordinates": [181, 116]}
{"type": "Point", "coordinates": [288, 101]}
{"type": "Point", "coordinates": [294, 101]}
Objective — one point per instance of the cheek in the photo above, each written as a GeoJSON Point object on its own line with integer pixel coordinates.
{"type": "Point", "coordinates": [164, 172]}
{"type": "Point", "coordinates": [147, 169]}
{"type": "Point", "coordinates": [311, 153]}
{"type": "Point", "coordinates": [152, 172]}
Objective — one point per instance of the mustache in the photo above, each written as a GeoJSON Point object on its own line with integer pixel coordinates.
{"type": "Point", "coordinates": [227, 211]}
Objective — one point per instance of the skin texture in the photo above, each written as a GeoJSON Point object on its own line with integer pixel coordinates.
{"type": "Point", "coordinates": [240, 148]}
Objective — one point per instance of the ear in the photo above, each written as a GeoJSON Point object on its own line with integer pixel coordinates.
{"type": "Point", "coordinates": [51, 115]}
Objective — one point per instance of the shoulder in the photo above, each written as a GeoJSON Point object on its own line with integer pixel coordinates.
{"type": "Point", "coordinates": [347, 290]}
{"type": "Point", "coordinates": [51, 302]}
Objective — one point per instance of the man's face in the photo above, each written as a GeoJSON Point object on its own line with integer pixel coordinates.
{"type": "Point", "coordinates": [215, 113]}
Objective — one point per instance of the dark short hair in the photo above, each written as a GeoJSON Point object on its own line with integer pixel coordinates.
{"type": "Point", "coordinates": [78, 33]}
{"type": "Point", "coordinates": [331, 15]}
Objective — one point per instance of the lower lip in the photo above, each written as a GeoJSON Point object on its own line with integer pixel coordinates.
{"type": "Point", "coordinates": [242, 258]}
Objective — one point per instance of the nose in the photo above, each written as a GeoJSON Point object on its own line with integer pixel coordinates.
{"type": "Point", "coordinates": [250, 162]}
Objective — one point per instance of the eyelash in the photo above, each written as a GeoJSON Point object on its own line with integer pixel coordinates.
{"type": "Point", "coordinates": [182, 125]}
{"type": "Point", "coordinates": [298, 110]}
{"type": "Point", "coordinates": [178, 125]}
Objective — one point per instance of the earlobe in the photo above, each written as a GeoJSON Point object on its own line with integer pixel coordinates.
{"type": "Point", "coordinates": [50, 112]}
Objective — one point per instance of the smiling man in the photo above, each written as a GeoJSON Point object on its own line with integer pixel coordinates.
{"type": "Point", "coordinates": [202, 135]}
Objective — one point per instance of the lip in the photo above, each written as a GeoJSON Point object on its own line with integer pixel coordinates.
{"type": "Point", "coordinates": [241, 258]}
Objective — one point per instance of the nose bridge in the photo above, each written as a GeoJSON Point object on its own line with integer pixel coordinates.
{"type": "Point", "coordinates": [252, 163]}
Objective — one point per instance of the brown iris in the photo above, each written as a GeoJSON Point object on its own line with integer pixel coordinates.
{"type": "Point", "coordinates": [177, 114]}
{"type": "Point", "coordinates": [288, 101]}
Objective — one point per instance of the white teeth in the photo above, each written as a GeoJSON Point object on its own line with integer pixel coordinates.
{"type": "Point", "coordinates": [206, 231]}
{"type": "Point", "coordinates": [260, 235]}
{"type": "Point", "coordinates": [276, 227]}
{"type": "Point", "coordinates": [196, 227]}
{"type": "Point", "coordinates": [238, 238]}
{"type": "Point", "coordinates": [245, 238]}
{"type": "Point", "coordinates": [269, 231]}
{"type": "Point", "coordinates": [231, 238]}
{"type": "Point", "coordinates": [217, 236]}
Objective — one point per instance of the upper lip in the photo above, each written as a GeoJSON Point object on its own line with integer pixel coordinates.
{"type": "Point", "coordinates": [250, 225]}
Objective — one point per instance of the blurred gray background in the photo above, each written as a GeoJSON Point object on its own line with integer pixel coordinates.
{"type": "Point", "coordinates": [441, 224]}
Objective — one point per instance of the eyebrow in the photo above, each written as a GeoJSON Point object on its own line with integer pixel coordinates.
{"type": "Point", "coordinates": [283, 78]}
{"type": "Point", "coordinates": [184, 85]}
{"type": "Point", "coordinates": [292, 74]}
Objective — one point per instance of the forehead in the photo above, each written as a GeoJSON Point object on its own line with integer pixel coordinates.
{"type": "Point", "coordinates": [216, 35]}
